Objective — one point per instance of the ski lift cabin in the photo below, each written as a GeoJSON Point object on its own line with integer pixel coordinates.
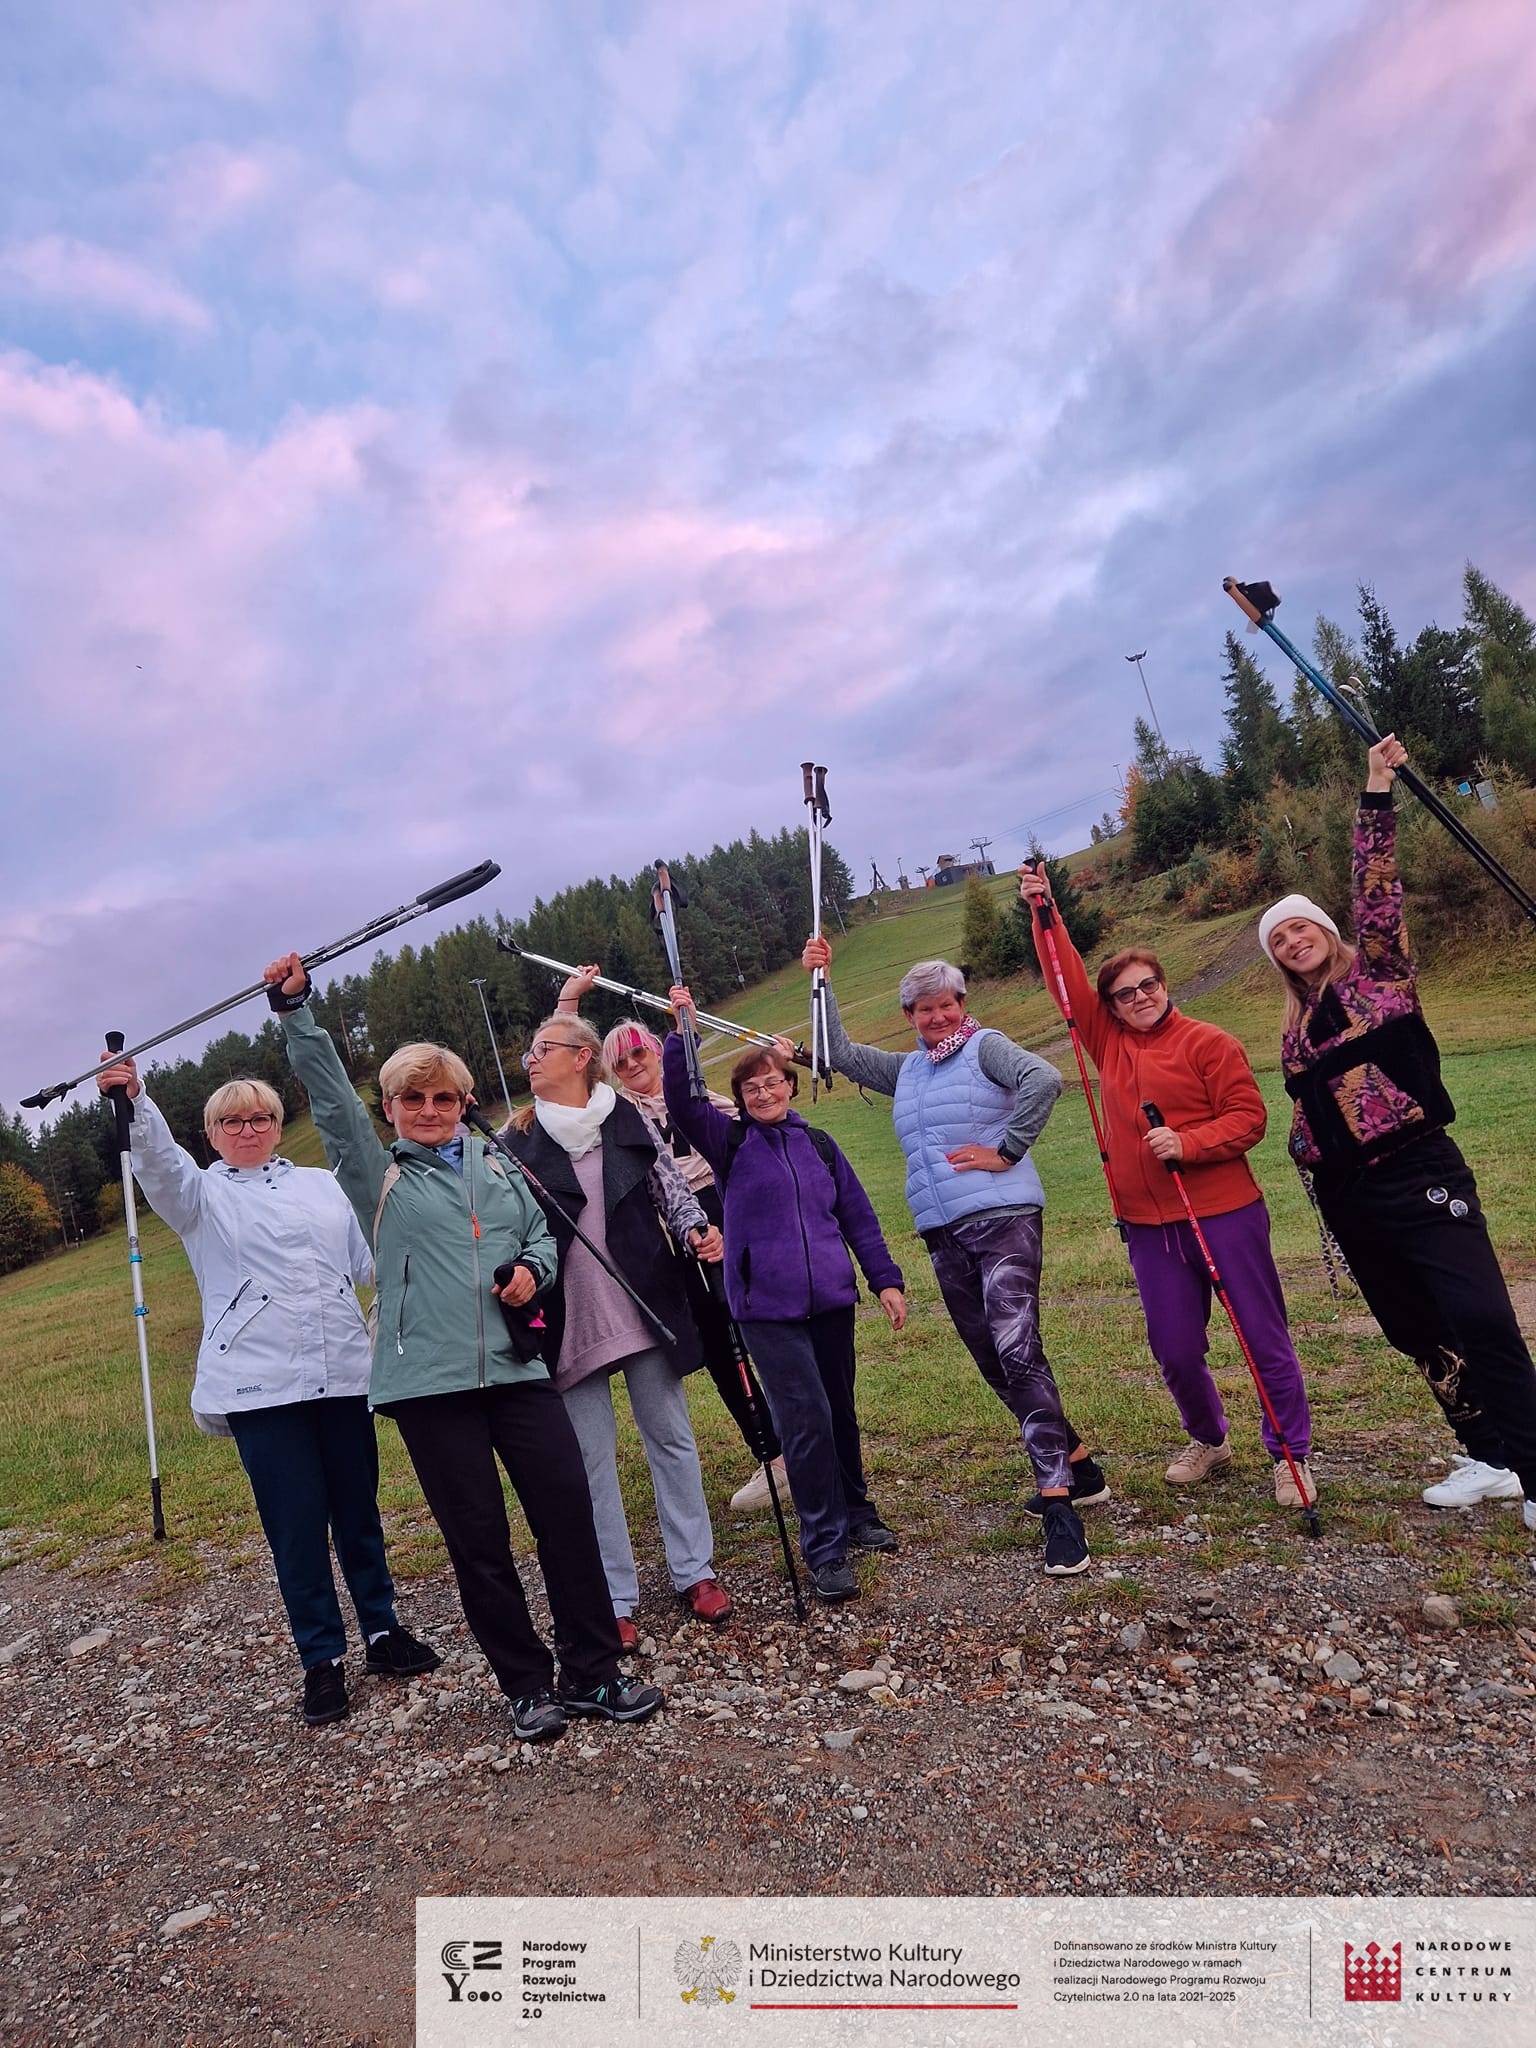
{"type": "Point", "coordinates": [951, 871]}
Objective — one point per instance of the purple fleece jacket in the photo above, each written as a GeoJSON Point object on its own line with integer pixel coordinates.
{"type": "Point", "coordinates": [789, 1223]}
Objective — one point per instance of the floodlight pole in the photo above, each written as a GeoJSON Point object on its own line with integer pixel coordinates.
{"type": "Point", "coordinates": [478, 982]}
{"type": "Point", "coordinates": [1139, 659]}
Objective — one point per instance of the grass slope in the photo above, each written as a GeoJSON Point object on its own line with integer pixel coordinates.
{"type": "Point", "coordinates": [945, 1461]}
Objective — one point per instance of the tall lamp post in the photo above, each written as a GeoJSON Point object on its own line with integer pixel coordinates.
{"type": "Point", "coordinates": [1139, 659]}
{"type": "Point", "coordinates": [478, 982]}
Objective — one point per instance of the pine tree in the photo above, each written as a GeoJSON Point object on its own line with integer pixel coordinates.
{"type": "Point", "coordinates": [1260, 745]}
{"type": "Point", "coordinates": [1504, 641]}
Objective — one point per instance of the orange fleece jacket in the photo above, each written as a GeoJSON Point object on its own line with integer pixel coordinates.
{"type": "Point", "coordinates": [1199, 1077]}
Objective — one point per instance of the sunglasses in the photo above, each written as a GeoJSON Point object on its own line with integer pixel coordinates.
{"type": "Point", "coordinates": [632, 1058]}
{"type": "Point", "coordinates": [1127, 995]}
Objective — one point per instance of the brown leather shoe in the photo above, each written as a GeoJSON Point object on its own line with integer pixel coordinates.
{"type": "Point", "coordinates": [709, 1601]}
{"type": "Point", "coordinates": [629, 1635]}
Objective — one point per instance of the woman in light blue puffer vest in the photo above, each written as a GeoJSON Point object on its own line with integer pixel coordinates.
{"type": "Point", "coordinates": [969, 1105]}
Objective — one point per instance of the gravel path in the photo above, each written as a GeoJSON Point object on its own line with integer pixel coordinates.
{"type": "Point", "coordinates": [181, 1861]}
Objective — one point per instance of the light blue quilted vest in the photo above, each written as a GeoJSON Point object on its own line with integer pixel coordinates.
{"type": "Point", "coordinates": [939, 1109]}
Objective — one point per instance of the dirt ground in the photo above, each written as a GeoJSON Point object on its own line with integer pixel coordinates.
{"type": "Point", "coordinates": [1303, 1729]}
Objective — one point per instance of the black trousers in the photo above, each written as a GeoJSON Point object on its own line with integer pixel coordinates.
{"type": "Point", "coordinates": [712, 1319]}
{"type": "Point", "coordinates": [454, 1441]}
{"type": "Point", "coordinates": [1413, 1231]}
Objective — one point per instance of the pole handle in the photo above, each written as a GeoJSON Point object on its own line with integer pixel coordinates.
{"type": "Point", "coordinates": [1157, 1120]}
{"type": "Point", "coordinates": [459, 885]}
{"type": "Point", "coordinates": [808, 780]}
{"type": "Point", "coordinates": [821, 796]}
{"type": "Point", "coordinates": [122, 1108]}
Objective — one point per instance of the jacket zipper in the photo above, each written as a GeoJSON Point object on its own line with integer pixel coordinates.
{"type": "Point", "coordinates": [232, 1306]}
{"type": "Point", "coordinates": [405, 1288]}
{"type": "Point", "coordinates": [469, 1191]}
{"type": "Point", "coordinates": [805, 1243]}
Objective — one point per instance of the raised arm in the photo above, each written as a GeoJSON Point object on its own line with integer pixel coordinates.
{"type": "Point", "coordinates": [1376, 888]}
{"type": "Point", "coordinates": [353, 1150]}
{"type": "Point", "coordinates": [1082, 998]}
{"type": "Point", "coordinates": [171, 1179]}
{"type": "Point", "coordinates": [867, 1066]}
{"type": "Point", "coordinates": [704, 1126]}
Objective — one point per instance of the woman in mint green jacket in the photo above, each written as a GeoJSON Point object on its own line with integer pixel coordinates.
{"type": "Point", "coordinates": [456, 1235]}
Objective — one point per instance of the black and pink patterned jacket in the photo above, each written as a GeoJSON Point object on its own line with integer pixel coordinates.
{"type": "Point", "coordinates": [1361, 1064]}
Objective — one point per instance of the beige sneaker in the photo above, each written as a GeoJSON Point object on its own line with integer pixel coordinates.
{"type": "Point", "coordinates": [1198, 1461]}
{"type": "Point", "coordinates": [1286, 1495]}
{"type": "Point", "coordinates": [754, 1498]}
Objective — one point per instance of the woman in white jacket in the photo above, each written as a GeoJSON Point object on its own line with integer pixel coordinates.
{"type": "Point", "coordinates": [283, 1366]}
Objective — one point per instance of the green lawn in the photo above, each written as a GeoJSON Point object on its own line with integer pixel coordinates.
{"type": "Point", "coordinates": [945, 1460]}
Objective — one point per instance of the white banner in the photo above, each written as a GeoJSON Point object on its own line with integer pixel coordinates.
{"type": "Point", "coordinates": [971, 1973]}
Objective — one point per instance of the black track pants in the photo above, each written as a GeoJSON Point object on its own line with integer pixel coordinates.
{"type": "Point", "coordinates": [1412, 1229]}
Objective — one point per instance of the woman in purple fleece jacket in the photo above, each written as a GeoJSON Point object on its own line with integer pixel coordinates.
{"type": "Point", "coordinates": [794, 1208]}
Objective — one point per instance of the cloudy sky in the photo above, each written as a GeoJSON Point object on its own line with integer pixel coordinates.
{"type": "Point", "coordinates": [439, 429]}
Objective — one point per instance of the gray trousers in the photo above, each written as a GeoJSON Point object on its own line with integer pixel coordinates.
{"type": "Point", "coordinates": [660, 1409]}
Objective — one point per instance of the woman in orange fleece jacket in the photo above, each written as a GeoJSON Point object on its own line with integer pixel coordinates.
{"type": "Point", "coordinates": [1199, 1077]}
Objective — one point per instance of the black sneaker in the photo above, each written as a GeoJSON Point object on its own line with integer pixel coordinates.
{"type": "Point", "coordinates": [1066, 1547]}
{"type": "Point", "coordinates": [873, 1536]}
{"type": "Point", "coordinates": [1089, 1487]}
{"type": "Point", "coordinates": [835, 1581]}
{"type": "Point", "coordinates": [539, 1718]}
{"type": "Point", "coordinates": [624, 1699]}
{"type": "Point", "coordinates": [400, 1655]}
{"type": "Point", "coordinates": [325, 1694]}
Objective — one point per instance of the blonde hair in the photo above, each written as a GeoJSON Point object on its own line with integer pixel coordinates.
{"type": "Point", "coordinates": [418, 1065]}
{"type": "Point", "coordinates": [584, 1038]}
{"type": "Point", "coordinates": [242, 1098]}
{"type": "Point", "coordinates": [1341, 958]}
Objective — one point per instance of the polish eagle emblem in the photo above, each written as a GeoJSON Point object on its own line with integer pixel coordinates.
{"type": "Point", "coordinates": [708, 1969]}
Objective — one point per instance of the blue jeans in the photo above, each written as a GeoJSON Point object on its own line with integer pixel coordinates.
{"type": "Point", "coordinates": [314, 1469]}
{"type": "Point", "coordinates": [807, 1373]}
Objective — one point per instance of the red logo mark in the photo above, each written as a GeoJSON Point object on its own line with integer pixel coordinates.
{"type": "Point", "coordinates": [1373, 1975]}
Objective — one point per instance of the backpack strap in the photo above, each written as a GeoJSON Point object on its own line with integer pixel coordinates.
{"type": "Point", "coordinates": [391, 1175]}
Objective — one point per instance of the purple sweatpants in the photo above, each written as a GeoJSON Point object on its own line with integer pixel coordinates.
{"type": "Point", "coordinates": [1176, 1295]}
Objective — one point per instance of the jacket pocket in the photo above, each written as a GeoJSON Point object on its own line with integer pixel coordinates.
{"type": "Point", "coordinates": [227, 1327]}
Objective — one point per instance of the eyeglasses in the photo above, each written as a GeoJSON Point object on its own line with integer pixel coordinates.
{"type": "Point", "coordinates": [1127, 995]}
{"type": "Point", "coordinates": [261, 1123]}
{"type": "Point", "coordinates": [413, 1098]}
{"type": "Point", "coordinates": [756, 1088]}
{"type": "Point", "coordinates": [541, 1047]}
{"type": "Point", "coordinates": [632, 1058]}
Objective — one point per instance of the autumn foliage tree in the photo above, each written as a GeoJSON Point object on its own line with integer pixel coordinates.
{"type": "Point", "coordinates": [27, 1222]}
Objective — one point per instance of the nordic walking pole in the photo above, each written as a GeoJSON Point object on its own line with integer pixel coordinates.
{"type": "Point", "coordinates": [714, 1280]}
{"type": "Point", "coordinates": [1155, 1118]}
{"type": "Point", "coordinates": [475, 1117]}
{"type": "Point", "coordinates": [706, 1019]}
{"type": "Point", "coordinates": [429, 899]}
{"type": "Point", "coordinates": [1046, 911]}
{"type": "Point", "coordinates": [814, 781]}
{"type": "Point", "coordinates": [122, 1112]}
{"type": "Point", "coordinates": [663, 898]}
{"type": "Point", "coordinates": [1257, 601]}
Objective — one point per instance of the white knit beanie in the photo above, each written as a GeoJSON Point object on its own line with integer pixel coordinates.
{"type": "Point", "coordinates": [1292, 906]}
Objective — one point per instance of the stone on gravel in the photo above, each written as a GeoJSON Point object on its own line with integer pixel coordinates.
{"type": "Point", "coordinates": [841, 1738]}
{"type": "Point", "coordinates": [1242, 1774]}
{"type": "Point", "coordinates": [82, 1646]}
{"type": "Point", "coordinates": [11, 1651]}
{"type": "Point", "coordinates": [1343, 1669]}
{"type": "Point", "coordinates": [1440, 1611]}
{"type": "Point", "coordinates": [1133, 1637]}
{"type": "Point", "coordinates": [1064, 1710]}
{"type": "Point", "coordinates": [860, 1681]}
{"type": "Point", "coordinates": [193, 1916]}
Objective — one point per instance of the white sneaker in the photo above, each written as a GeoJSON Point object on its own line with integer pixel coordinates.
{"type": "Point", "coordinates": [754, 1497]}
{"type": "Point", "coordinates": [1470, 1481]}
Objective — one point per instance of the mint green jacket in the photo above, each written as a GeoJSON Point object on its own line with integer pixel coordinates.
{"type": "Point", "coordinates": [441, 1236]}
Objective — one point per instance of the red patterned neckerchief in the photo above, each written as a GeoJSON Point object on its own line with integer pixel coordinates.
{"type": "Point", "coordinates": [966, 1028]}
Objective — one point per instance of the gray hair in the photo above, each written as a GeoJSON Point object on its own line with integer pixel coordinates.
{"type": "Point", "coordinates": [930, 978]}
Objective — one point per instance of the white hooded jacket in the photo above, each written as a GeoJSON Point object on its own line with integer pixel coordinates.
{"type": "Point", "coordinates": [277, 1255]}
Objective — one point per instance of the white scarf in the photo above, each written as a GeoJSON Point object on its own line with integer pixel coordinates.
{"type": "Point", "coordinates": [578, 1130]}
